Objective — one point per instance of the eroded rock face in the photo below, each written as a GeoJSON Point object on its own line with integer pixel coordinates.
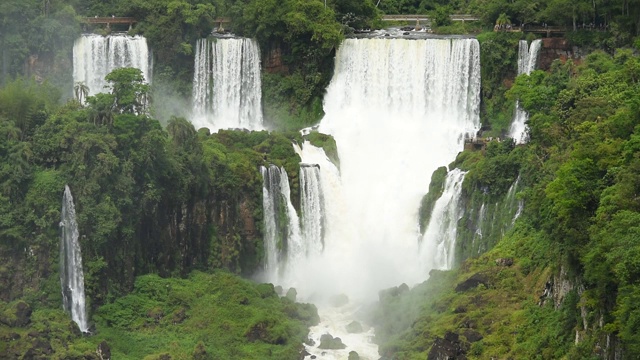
{"type": "Point", "coordinates": [448, 348]}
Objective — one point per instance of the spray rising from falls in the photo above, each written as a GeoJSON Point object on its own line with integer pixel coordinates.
{"type": "Point", "coordinates": [95, 56]}
{"type": "Point", "coordinates": [527, 58]}
{"type": "Point", "coordinates": [226, 85]}
{"type": "Point", "coordinates": [71, 274]}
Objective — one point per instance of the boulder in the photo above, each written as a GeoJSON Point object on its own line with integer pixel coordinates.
{"type": "Point", "coordinates": [354, 327]}
{"type": "Point", "coordinates": [473, 282]}
{"type": "Point", "coordinates": [292, 294]}
{"type": "Point", "coordinates": [329, 342]}
{"type": "Point", "coordinates": [104, 351]}
{"type": "Point", "coordinates": [472, 335]}
{"type": "Point", "coordinates": [448, 348]}
{"type": "Point", "coordinates": [504, 261]}
{"type": "Point", "coordinates": [353, 356]}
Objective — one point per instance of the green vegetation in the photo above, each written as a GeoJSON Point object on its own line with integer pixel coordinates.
{"type": "Point", "coordinates": [205, 316]}
{"type": "Point", "coordinates": [148, 200]}
{"type": "Point", "coordinates": [569, 266]}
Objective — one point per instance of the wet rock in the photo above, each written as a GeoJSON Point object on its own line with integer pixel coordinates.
{"type": "Point", "coordinates": [40, 349]}
{"type": "Point", "coordinates": [353, 356]}
{"type": "Point", "coordinates": [472, 335]}
{"type": "Point", "coordinates": [473, 282]}
{"type": "Point", "coordinates": [310, 342]}
{"type": "Point", "coordinates": [504, 261]}
{"type": "Point", "coordinates": [104, 351]}
{"type": "Point", "coordinates": [329, 342]}
{"type": "Point", "coordinates": [448, 348]}
{"type": "Point", "coordinates": [292, 294]}
{"type": "Point", "coordinates": [354, 327]}
{"type": "Point", "coordinates": [460, 310]}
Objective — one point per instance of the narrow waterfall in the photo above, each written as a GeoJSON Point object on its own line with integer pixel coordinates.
{"type": "Point", "coordinates": [95, 56]}
{"type": "Point", "coordinates": [312, 207]}
{"type": "Point", "coordinates": [282, 228]}
{"type": "Point", "coordinates": [226, 85]}
{"type": "Point", "coordinates": [511, 201]}
{"type": "Point", "coordinates": [440, 237]}
{"type": "Point", "coordinates": [527, 59]}
{"type": "Point", "coordinates": [71, 274]}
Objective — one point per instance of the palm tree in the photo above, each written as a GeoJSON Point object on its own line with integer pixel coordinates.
{"type": "Point", "coordinates": [81, 91]}
{"type": "Point", "coordinates": [503, 21]}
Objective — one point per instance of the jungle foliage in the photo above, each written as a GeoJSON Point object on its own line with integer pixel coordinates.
{"type": "Point", "coordinates": [578, 180]}
{"type": "Point", "coordinates": [204, 316]}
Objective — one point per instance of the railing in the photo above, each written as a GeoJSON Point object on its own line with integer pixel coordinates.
{"type": "Point", "coordinates": [419, 17]}
{"type": "Point", "coordinates": [110, 20]}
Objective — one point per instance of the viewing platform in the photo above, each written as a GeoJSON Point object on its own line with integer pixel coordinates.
{"type": "Point", "coordinates": [545, 30]}
{"type": "Point", "coordinates": [110, 20]}
{"type": "Point", "coordinates": [422, 17]}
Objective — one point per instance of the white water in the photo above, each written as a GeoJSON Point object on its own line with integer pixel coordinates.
{"type": "Point", "coordinates": [527, 58]}
{"type": "Point", "coordinates": [226, 85]}
{"type": "Point", "coordinates": [511, 200]}
{"type": "Point", "coordinates": [71, 274]}
{"type": "Point", "coordinates": [438, 243]}
{"type": "Point", "coordinates": [398, 110]}
{"type": "Point", "coordinates": [282, 226]}
{"type": "Point", "coordinates": [312, 207]}
{"type": "Point", "coordinates": [95, 56]}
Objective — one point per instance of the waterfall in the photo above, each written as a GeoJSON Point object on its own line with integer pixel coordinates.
{"type": "Point", "coordinates": [95, 56]}
{"type": "Point", "coordinates": [440, 236]}
{"type": "Point", "coordinates": [511, 201]}
{"type": "Point", "coordinates": [527, 58]}
{"type": "Point", "coordinates": [282, 228]}
{"type": "Point", "coordinates": [226, 85]}
{"type": "Point", "coordinates": [312, 207]}
{"type": "Point", "coordinates": [71, 274]}
{"type": "Point", "coordinates": [398, 109]}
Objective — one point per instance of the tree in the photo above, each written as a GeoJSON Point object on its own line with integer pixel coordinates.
{"type": "Point", "coordinates": [81, 90]}
{"type": "Point", "coordinates": [129, 90]}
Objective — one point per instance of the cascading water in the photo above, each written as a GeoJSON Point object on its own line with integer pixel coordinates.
{"type": "Point", "coordinates": [71, 274]}
{"type": "Point", "coordinates": [398, 109]}
{"type": "Point", "coordinates": [527, 58]}
{"type": "Point", "coordinates": [282, 228]}
{"type": "Point", "coordinates": [95, 56]}
{"type": "Point", "coordinates": [511, 200]}
{"type": "Point", "coordinates": [439, 240]}
{"type": "Point", "coordinates": [312, 207]}
{"type": "Point", "coordinates": [226, 85]}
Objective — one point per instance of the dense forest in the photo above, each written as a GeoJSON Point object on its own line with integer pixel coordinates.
{"type": "Point", "coordinates": [163, 205]}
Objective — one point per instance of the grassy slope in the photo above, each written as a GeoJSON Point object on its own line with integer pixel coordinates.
{"type": "Point", "coordinates": [214, 316]}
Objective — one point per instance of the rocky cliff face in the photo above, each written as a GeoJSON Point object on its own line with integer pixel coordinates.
{"type": "Point", "coordinates": [556, 48]}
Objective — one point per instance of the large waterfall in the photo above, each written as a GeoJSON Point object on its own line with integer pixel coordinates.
{"type": "Point", "coordinates": [527, 59]}
{"type": "Point", "coordinates": [398, 109]}
{"type": "Point", "coordinates": [95, 56]}
{"type": "Point", "coordinates": [226, 85]}
{"type": "Point", "coordinates": [71, 274]}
